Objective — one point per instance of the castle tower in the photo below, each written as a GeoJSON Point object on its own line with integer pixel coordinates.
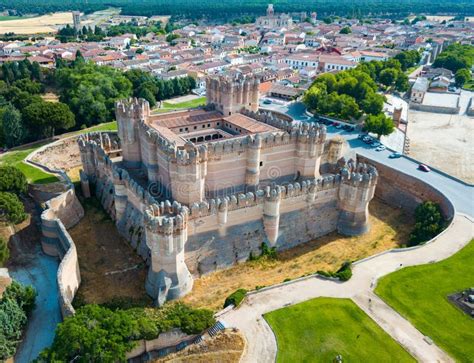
{"type": "Point", "coordinates": [335, 149]}
{"type": "Point", "coordinates": [231, 93]}
{"type": "Point", "coordinates": [356, 190]}
{"type": "Point", "coordinates": [309, 149]}
{"type": "Point", "coordinates": [188, 174]}
{"type": "Point", "coordinates": [166, 234]}
{"type": "Point", "coordinates": [128, 114]}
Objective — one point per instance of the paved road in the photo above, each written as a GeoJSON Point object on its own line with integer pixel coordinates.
{"type": "Point", "coordinates": [261, 343]}
{"type": "Point", "coordinates": [460, 194]}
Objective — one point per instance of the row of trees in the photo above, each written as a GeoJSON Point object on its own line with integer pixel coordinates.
{"type": "Point", "coordinates": [97, 34]}
{"type": "Point", "coordinates": [152, 89]}
{"type": "Point", "coordinates": [458, 58]}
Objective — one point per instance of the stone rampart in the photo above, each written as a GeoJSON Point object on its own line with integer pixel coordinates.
{"type": "Point", "coordinates": [63, 212]}
{"type": "Point", "coordinates": [405, 191]}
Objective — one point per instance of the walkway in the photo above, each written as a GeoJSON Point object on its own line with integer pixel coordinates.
{"type": "Point", "coordinates": [261, 343]}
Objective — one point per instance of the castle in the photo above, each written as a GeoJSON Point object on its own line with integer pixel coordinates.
{"type": "Point", "coordinates": [199, 190]}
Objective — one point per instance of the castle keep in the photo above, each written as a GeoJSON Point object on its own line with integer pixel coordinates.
{"type": "Point", "coordinates": [198, 190]}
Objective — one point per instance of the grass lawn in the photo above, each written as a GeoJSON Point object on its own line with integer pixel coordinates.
{"type": "Point", "coordinates": [34, 175]}
{"type": "Point", "coordinates": [320, 329]}
{"type": "Point", "coordinates": [8, 17]}
{"type": "Point", "coordinates": [201, 101]}
{"type": "Point", "coordinates": [420, 294]}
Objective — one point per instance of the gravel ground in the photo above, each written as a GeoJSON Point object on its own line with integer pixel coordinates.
{"type": "Point", "coordinates": [444, 141]}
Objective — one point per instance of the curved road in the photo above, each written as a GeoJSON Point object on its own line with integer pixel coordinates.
{"type": "Point", "coordinates": [261, 342]}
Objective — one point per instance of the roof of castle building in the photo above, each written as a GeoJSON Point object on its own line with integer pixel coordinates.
{"type": "Point", "coordinates": [248, 124]}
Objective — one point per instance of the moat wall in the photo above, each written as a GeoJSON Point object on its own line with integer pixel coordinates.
{"type": "Point", "coordinates": [63, 211]}
{"type": "Point", "coordinates": [405, 191]}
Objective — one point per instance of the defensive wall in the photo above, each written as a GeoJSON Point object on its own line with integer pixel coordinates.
{"type": "Point", "coordinates": [406, 191]}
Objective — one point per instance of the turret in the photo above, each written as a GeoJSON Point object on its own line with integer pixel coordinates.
{"type": "Point", "coordinates": [252, 174]}
{"type": "Point", "coordinates": [356, 190]}
{"type": "Point", "coordinates": [188, 174]}
{"type": "Point", "coordinates": [309, 148]}
{"type": "Point", "coordinates": [271, 214]}
{"type": "Point", "coordinates": [166, 234]}
{"type": "Point", "coordinates": [128, 114]}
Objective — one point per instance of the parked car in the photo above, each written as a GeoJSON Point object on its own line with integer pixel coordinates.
{"type": "Point", "coordinates": [424, 168]}
{"type": "Point", "coordinates": [395, 156]}
{"type": "Point", "coordinates": [338, 126]}
{"type": "Point", "coordinates": [267, 101]}
{"type": "Point", "coordinates": [380, 148]}
{"type": "Point", "coordinates": [376, 144]}
{"type": "Point", "coordinates": [362, 136]}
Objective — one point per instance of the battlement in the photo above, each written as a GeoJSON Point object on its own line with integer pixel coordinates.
{"type": "Point", "coordinates": [359, 174]}
{"type": "Point", "coordinates": [132, 108]}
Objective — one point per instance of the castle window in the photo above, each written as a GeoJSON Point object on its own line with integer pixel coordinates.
{"type": "Point", "coordinates": [208, 125]}
{"type": "Point", "coordinates": [261, 163]}
{"type": "Point", "coordinates": [180, 130]}
{"type": "Point", "coordinates": [186, 129]}
{"type": "Point", "coordinates": [195, 127]}
{"type": "Point", "coordinates": [218, 124]}
{"type": "Point", "coordinates": [203, 126]}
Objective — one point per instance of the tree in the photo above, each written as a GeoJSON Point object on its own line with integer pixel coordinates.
{"type": "Point", "coordinates": [46, 117]}
{"type": "Point", "coordinates": [12, 180]}
{"type": "Point", "coordinates": [11, 208]}
{"type": "Point", "coordinates": [388, 76]}
{"type": "Point", "coordinates": [429, 222]}
{"type": "Point", "coordinates": [380, 125]}
{"type": "Point", "coordinates": [148, 95]}
{"type": "Point", "coordinates": [462, 76]}
{"type": "Point", "coordinates": [346, 30]}
{"type": "Point", "coordinates": [13, 129]}
{"type": "Point", "coordinates": [93, 334]}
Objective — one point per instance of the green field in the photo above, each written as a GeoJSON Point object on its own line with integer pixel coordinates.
{"type": "Point", "coordinates": [34, 175]}
{"type": "Point", "coordinates": [8, 17]}
{"type": "Point", "coordinates": [420, 294]}
{"type": "Point", "coordinates": [320, 329]}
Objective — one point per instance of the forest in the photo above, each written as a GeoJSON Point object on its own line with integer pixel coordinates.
{"type": "Point", "coordinates": [230, 9]}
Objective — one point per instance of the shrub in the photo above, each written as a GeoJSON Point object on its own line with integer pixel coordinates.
{"type": "Point", "coordinates": [12, 180]}
{"type": "Point", "coordinates": [11, 208]}
{"type": "Point", "coordinates": [4, 251]}
{"type": "Point", "coordinates": [235, 298]}
{"type": "Point", "coordinates": [343, 274]}
{"type": "Point", "coordinates": [15, 305]}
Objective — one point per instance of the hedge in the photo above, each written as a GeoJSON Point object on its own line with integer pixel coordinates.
{"type": "Point", "coordinates": [235, 298]}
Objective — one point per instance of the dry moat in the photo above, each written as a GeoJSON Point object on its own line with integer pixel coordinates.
{"type": "Point", "coordinates": [112, 271]}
